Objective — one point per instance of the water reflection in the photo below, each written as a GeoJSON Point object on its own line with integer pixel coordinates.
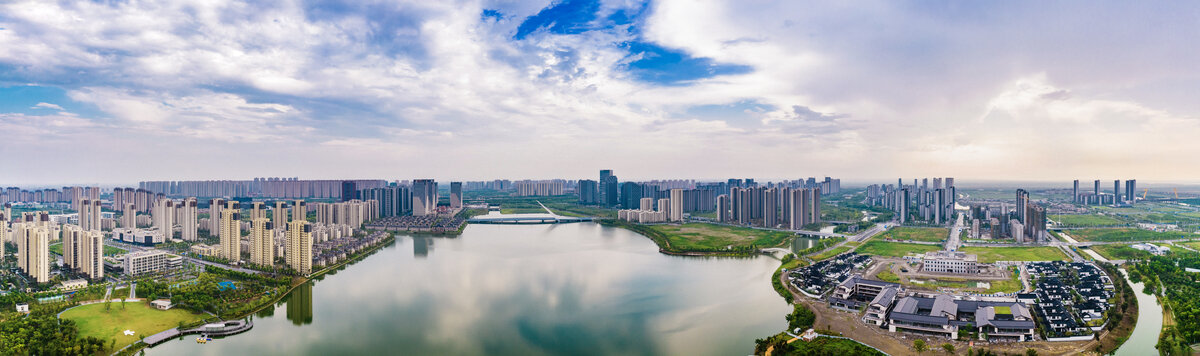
{"type": "Point", "coordinates": [300, 304]}
{"type": "Point", "coordinates": [803, 243]}
{"type": "Point", "coordinates": [577, 289]}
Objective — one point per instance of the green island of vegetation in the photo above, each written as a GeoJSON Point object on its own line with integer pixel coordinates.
{"type": "Point", "coordinates": [706, 238]}
{"type": "Point", "coordinates": [108, 321]}
{"type": "Point", "coordinates": [1032, 253]}
{"type": "Point", "coordinates": [923, 234]}
{"type": "Point", "coordinates": [894, 249]}
{"type": "Point", "coordinates": [1127, 234]}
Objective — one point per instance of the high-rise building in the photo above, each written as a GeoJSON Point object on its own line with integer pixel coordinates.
{"type": "Point", "coordinates": [1075, 192]}
{"type": "Point", "coordinates": [349, 190]}
{"type": "Point", "coordinates": [456, 201]}
{"type": "Point", "coordinates": [723, 207]}
{"type": "Point", "coordinates": [1131, 191]}
{"type": "Point", "coordinates": [230, 231]}
{"type": "Point", "coordinates": [424, 197]}
{"type": "Point", "coordinates": [163, 216]}
{"type": "Point", "coordinates": [279, 215]}
{"type": "Point", "coordinates": [608, 188]}
{"type": "Point", "coordinates": [214, 216]}
{"type": "Point", "coordinates": [1116, 191]}
{"type": "Point", "coordinates": [1096, 191]}
{"type": "Point", "coordinates": [299, 250]}
{"type": "Point", "coordinates": [262, 242]}
{"type": "Point", "coordinates": [83, 251]}
{"type": "Point", "coordinates": [676, 212]}
{"type": "Point", "coordinates": [89, 214]}
{"type": "Point", "coordinates": [33, 250]}
{"type": "Point", "coordinates": [188, 220]}
{"type": "Point", "coordinates": [631, 195]}
{"type": "Point", "coordinates": [1022, 204]}
{"type": "Point", "coordinates": [258, 210]}
{"type": "Point", "coordinates": [299, 210]}
{"type": "Point", "coordinates": [770, 201]}
{"type": "Point", "coordinates": [588, 192]}
{"type": "Point", "coordinates": [129, 216]}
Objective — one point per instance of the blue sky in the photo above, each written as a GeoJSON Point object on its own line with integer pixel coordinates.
{"type": "Point", "coordinates": [708, 89]}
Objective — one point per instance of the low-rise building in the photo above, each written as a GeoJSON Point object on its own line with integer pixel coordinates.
{"type": "Point", "coordinates": [143, 262]}
{"type": "Point", "coordinates": [951, 262]}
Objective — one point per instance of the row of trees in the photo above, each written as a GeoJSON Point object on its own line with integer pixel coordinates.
{"type": "Point", "coordinates": [42, 333]}
{"type": "Point", "coordinates": [1166, 277]}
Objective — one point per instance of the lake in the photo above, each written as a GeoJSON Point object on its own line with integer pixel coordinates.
{"type": "Point", "coordinates": [574, 289]}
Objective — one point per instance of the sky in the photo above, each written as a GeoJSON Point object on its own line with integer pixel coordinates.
{"type": "Point", "coordinates": [109, 92]}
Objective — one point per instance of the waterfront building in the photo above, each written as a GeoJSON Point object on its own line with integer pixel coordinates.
{"type": "Point", "coordinates": [608, 188]}
{"type": "Point", "coordinates": [588, 191]}
{"type": "Point", "coordinates": [676, 203]}
{"type": "Point", "coordinates": [299, 252]}
{"type": "Point", "coordinates": [424, 197]}
{"type": "Point", "coordinates": [262, 242]}
{"type": "Point", "coordinates": [456, 201]}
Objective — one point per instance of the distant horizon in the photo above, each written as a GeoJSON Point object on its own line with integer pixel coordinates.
{"type": "Point", "coordinates": [1105, 184]}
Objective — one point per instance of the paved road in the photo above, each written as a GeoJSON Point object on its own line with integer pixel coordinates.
{"type": "Point", "coordinates": [953, 242]}
{"type": "Point", "coordinates": [132, 289]}
{"type": "Point", "coordinates": [224, 266]}
{"type": "Point", "coordinates": [108, 292]}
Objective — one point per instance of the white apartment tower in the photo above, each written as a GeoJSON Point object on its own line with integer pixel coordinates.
{"type": "Point", "coordinates": [262, 242]}
{"type": "Point", "coordinates": [299, 246]}
{"type": "Point", "coordinates": [230, 231]}
{"type": "Point", "coordinates": [83, 251]}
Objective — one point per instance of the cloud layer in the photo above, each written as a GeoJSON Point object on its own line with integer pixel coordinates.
{"type": "Point", "coordinates": [482, 89]}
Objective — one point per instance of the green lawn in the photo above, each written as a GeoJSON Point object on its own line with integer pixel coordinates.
{"type": "Point", "coordinates": [702, 237]}
{"type": "Point", "coordinates": [993, 254]}
{"type": "Point", "coordinates": [886, 275]}
{"type": "Point", "coordinates": [1195, 245]}
{"type": "Point", "coordinates": [93, 320]}
{"type": "Point", "coordinates": [923, 234]}
{"type": "Point", "coordinates": [1126, 234]}
{"type": "Point", "coordinates": [1087, 220]}
{"type": "Point", "coordinates": [838, 213]}
{"type": "Point", "coordinates": [894, 249]}
{"type": "Point", "coordinates": [108, 250]}
{"type": "Point", "coordinates": [831, 253]}
{"type": "Point", "coordinates": [1120, 252]}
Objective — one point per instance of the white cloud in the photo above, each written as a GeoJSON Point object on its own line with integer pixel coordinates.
{"type": "Point", "coordinates": [864, 90]}
{"type": "Point", "coordinates": [47, 106]}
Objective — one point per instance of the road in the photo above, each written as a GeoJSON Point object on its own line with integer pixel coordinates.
{"type": "Point", "coordinates": [223, 266]}
{"type": "Point", "coordinates": [953, 242]}
{"type": "Point", "coordinates": [132, 290]}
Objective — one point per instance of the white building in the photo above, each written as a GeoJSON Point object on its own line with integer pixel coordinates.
{"type": "Point", "coordinates": [142, 262]}
{"type": "Point", "coordinates": [951, 262]}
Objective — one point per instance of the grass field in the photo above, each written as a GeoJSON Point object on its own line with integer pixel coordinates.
{"type": "Point", "coordinates": [1120, 252]}
{"type": "Point", "coordinates": [93, 320]}
{"type": "Point", "coordinates": [1126, 234]}
{"type": "Point", "coordinates": [1195, 245]}
{"type": "Point", "coordinates": [831, 253]}
{"type": "Point", "coordinates": [108, 250]}
{"type": "Point", "coordinates": [886, 275]}
{"type": "Point", "coordinates": [700, 236]}
{"type": "Point", "coordinates": [894, 249]}
{"type": "Point", "coordinates": [993, 254]}
{"type": "Point", "coordinates": [923, 234]}
{"type": "Point", "coordinates": [1086, 220]}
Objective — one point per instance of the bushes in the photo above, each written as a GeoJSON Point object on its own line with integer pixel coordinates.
{"type": "Point", "coordinates": [801, 317]}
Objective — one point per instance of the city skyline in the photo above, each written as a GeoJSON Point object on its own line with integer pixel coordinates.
{"type": "Point", "coordinates": [473, 90]}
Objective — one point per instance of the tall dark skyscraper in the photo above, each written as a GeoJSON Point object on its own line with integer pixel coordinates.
{"type": "Point", "coordinates": [1116, 191]}
{"type": "Point", "coordinates": [349, 190]}
{"type": "Point", "coordinates": [1075, 192]}
{"type": "Point", "coordinates": [1022, 205]}
{"type": "Point", "coordinates": [589, 191]}
{"type": "Point", "coordinates": [631, 195]}
{"type": "Point", "coordinates": [608, 188]}
{"type": "Point", "coordinates": [1131, 190]}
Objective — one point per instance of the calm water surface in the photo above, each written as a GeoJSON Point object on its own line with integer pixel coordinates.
{"type": "Point", "coordinates": [573, 289]}
{"type": "Point", "coordinates": [1149, 324]}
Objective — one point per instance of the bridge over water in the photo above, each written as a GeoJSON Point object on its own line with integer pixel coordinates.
{"type": "Point", "coordinates": [549, 217]}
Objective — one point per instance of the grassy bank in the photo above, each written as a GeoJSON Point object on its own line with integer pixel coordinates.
{"type": "Point", "coordinates": [706, 239]}
{"type": "Point", "coordinates": [1087, 220]}
{"type": "Point", "coordinates": [1120, 252]}
{"type": "Point", "coordinates": [108, 322]}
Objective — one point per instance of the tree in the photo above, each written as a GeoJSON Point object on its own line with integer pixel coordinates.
{"type": "Point", "coordinates": [1030, 352]}
{"type": "Point", "coordinates": [948, 347]}
{"type": "Point", "coordinates": [122, 303]}
{"type": "Point", "coordinates": [919, 346]}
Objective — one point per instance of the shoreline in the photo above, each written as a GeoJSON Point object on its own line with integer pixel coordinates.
{"type": "Point", "coordinates": [131, 348]}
